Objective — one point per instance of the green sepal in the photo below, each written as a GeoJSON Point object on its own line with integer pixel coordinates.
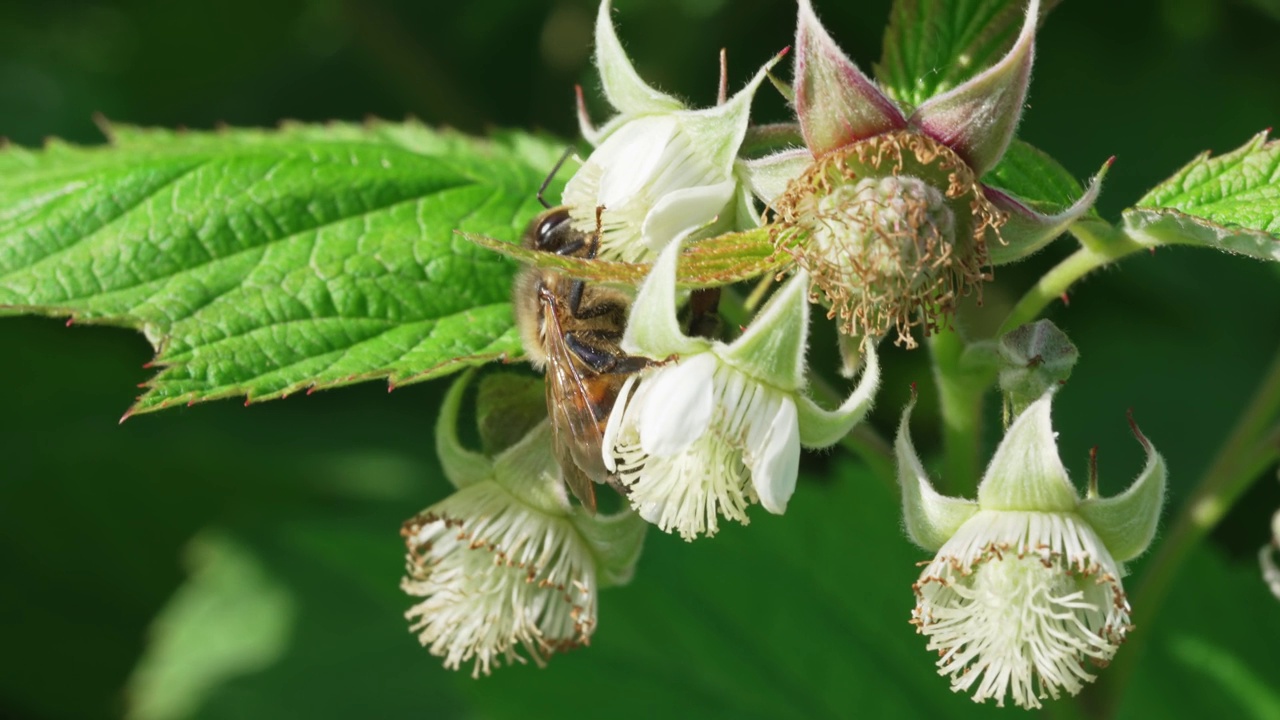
{"type": "Point", "coordinates": [623, 87]}
{"type": "Point", "coordinates": [616, 542]}
{"type": "Point", "coordinates": [529, 471]}
{"type": "Point", "coordinates": [821, 428]}
{"type": "Point", "coordinates": [508, 405]}
{"type": "Point", "coordinates": [1127, 522]}
{"type": "Point", "coordinates": [929, 517]}
{"type": "Point", "coordinates": [1026, 473]}
{"type": "Point", "coordinates": [773, 346]}
{"type": "Point", "coordinates": [1034, 358]}
{"type": "Point", "coordinates": [462, 467]}
{"type": "Point", "coordinates": [653, 328]}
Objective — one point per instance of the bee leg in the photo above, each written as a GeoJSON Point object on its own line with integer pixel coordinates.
{"type": "Point", "coordinates": [584, 345]}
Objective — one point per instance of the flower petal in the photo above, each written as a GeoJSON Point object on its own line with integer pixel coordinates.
{"type": "Point", "coordinates": [681, 211]}
{"type": "Point", "coordinates": [678, 406]}
{"type": "Point", "coordinates": [836, 103]}
{"type": "Point", "coordinates": [777, 461]}
{"type": "Point", "coordinates": [977, 119]}
{"type": "Point", "coordinates": [1026, 231]}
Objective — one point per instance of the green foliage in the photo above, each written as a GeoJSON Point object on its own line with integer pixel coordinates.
{"type": "Point", "coordinates": [1230, 202]}
{"type": "Point", "coordinates": [1035, 178]}
{"type": "Point", "coordinates": [263, 263]}
{"type": "Point", "coordinates": [932, 46]}
{"type": "Point", "coordinates": [721, 260]}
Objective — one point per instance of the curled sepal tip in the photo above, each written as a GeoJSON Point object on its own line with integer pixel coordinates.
{"type": "Point", "coordinates": [836, 103]}
{"type": "Point", "coordinates": [1026, 230]}
{"type": "Point", "coordinates": [462, 467]}
{"type": "Point", "coordinates": [623, 86]}
{"type": "Point", "coordinates": [977, 119]}
{"type": "Point", "coordinates": [821, 428]}
{"type": "Point", "coordinates": [930, 517]}
{"type": "Point", "coordinates": [1127, 522]}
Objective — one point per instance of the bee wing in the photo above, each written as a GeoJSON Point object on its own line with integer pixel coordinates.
{"type": "Point", "coordinates": [575, 431]}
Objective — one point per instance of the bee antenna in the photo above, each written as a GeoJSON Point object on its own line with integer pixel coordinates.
{"type": "Point", "coordinates": [551, 175]}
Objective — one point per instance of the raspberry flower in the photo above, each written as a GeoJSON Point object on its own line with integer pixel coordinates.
{"type": "Point", "coordinates": [659, 169]}
{"type": "Point", "coordinates": [505, 562]}
{"type": "Point", "coordinates": [721, 427]}
{"type": "Point", "coordinates": [884, 208]}
{"type": "Point", "coordinates": [1025, 585]}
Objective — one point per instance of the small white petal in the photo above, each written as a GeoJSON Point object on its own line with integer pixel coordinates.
{"type": "Point", "coordinates": [777, 462]}
{"type": "Point", "coordinates": [682, 210]}
{"type": "Point", "coordinates": [677, 409]}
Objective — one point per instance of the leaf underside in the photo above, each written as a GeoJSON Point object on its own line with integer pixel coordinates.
{"type": "Point", "coordinates": [1230, 202]}
{"type": "Point", "coordinates": [263, 263]}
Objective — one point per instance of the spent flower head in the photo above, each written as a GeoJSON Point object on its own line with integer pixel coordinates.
{"type": "Point", "coordinates": [1026, 583]}
{"type": "Point", "coordinates": [885, 207]}
{"type": "Point", "coordinates": [721, 427]}
{"type": "Point", "coordinates": [505, 562]}
{"type": "Point", "coordinates": [659, 169]}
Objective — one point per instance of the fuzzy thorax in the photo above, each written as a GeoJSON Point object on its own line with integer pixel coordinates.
{"type": "Point", "coordinates": [1015, 602]}
{"type": "Point", "coordinates": [893, 231]}
{"type": "Point", "coordinates": [496, 574]}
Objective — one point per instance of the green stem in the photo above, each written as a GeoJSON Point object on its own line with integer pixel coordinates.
{"type": "Point", "coordinates": [1249, 449]}
{"type": "Point", "coordinates": [1101, 244]}
{"type": "Point", "coordinates": [960, 404]}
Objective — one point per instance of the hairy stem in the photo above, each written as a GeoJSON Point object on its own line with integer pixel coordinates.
{"type": "Point", "coordinates": [960, 404]}
{"type": "Point", "coordinates": [1247, 451]}
{"type": "Point", "coordinates": [1101, 244]}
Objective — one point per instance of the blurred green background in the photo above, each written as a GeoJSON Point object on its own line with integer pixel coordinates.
{"type": "Point", "coordinates": [230, 562]}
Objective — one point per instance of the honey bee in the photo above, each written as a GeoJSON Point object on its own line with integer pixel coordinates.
{"type": "Point", "coordinates": [572, 329]}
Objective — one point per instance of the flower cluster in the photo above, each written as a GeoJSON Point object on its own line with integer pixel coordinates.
{"type": "Point", "coordinates": [883, 217]}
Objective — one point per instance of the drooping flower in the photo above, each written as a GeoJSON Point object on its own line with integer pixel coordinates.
{"type": "Point", "coordinates": [659, 169]}
{"type": "Point", "coordinates": [721, 427]}
{"type": "Point", "coordinates": [506, 562]}
{"type": "Point", "coordinates": [1026, 583]}
{"type": "Point", "coordinates": [884, 207]}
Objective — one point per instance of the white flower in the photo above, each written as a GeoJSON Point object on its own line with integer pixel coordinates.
{"type": "Point", "coordinates": [659, 169]}
{"type": "Point", "coordinates": [720, 427]}
{"type": "Point", "coordinates": [505, 562]}
{"type": "Point", "coordinates": [496, 574]}
{"type": "Point", "coordinates": [1025, 586]}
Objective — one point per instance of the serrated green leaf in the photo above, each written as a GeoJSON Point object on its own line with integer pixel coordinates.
{"type": "Point", "coordinates": [1230, 202]}
{"type": "Point", "coordinates": [932, 46]}
{"type": "Point", "coordinates": [713, 262]}
{"type": "Point", "coordinates": [261, 263]}
{"type": "Point", "coordinates": [1032, 176]}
